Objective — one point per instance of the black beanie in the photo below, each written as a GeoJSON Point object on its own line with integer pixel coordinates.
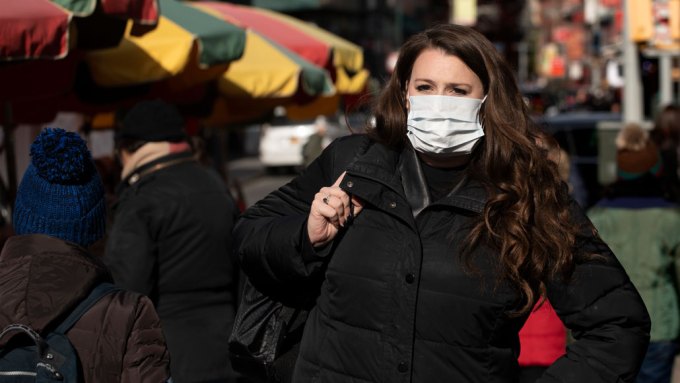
{"type": "Point", "coordinates": [152, 120]}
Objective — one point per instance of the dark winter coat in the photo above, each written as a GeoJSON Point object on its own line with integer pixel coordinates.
{"type": "Point", "coordinates": [396, 305]}
{"type": "Point", "coordinates": [171, 241]}
{"type": "Point", "coordinates": [118, 340]}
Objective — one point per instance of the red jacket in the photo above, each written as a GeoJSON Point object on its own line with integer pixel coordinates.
{"type": "Point", "coordinates": [543, 338]}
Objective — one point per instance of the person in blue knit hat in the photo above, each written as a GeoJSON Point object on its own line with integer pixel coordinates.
{"type": "Point", "coordinates": [46, 269]}
{"type": "Point", "coordinates": [61, 194]}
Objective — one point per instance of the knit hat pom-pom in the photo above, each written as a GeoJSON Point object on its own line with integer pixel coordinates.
{"type": "Point", "coordinates": [61, 157]}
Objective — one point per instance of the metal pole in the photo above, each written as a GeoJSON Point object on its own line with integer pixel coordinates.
{"type": "Point", "coordinates": [595, 59]}
{"type": "Point", "coordinates": [632, 91]}
{"type": "Point", "coordinates": [10, 155]}
{"type": "Point", "coordinates": [665, 79]}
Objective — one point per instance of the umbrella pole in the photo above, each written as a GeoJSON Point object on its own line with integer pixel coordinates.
{"type": "Point", "coordinates": [10, 156]}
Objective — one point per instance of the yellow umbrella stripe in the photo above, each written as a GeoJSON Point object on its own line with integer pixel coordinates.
{"type": "Point", "coordinates": [262, 71]}
{"type": "Point", "coordinates": [269, 70]}
{"type": "Point", "coordinates": [345, 54]}
{"type": "Point", "coordinates": [354, 84]}
{"type": "Point", "coordinates": [158, 54]}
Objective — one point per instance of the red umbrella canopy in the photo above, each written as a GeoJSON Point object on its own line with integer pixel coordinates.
{"type": "Point", "coordinates": [37, 36]}
{"type": "Point", "coordinates": [33, 29]}
{"type": "Point", "coordinates": [43, 29]}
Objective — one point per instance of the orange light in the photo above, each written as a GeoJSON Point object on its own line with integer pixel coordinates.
{"type": "Point", "coordinates": [640, 19]}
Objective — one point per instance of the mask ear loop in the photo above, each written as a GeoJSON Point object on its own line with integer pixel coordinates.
{"type": "Point", "coordinates": [478, 116]}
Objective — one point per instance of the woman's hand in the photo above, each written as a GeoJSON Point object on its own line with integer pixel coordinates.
{"type": "Point", "coordinates": [329, 212]}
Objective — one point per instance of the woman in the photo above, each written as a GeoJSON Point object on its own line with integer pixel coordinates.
{"type": "Point", "coordinates": [435, 235]}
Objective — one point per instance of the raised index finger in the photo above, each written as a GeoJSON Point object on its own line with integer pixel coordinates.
{"type": "Point", "coordinates": [337, 182]}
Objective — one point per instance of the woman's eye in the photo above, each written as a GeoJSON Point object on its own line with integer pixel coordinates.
{"type": "Point", "coordinates": [422, 88]}
{"type": "Point", "coordinates": [459, 91]}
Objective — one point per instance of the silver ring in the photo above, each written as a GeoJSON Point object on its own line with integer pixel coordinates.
{"type": "Point", "coordinates": [325, 199]}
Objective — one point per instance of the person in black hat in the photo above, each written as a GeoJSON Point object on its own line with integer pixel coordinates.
{"type": "Point", "coordinates": [46, 269]}
{"type": "Point", "coordinates": [171, 240]}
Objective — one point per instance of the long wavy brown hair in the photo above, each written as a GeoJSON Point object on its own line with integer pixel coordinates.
{"type": "Point", "coordinates": [526, 217]}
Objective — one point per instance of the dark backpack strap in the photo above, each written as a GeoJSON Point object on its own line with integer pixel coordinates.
{"type": "Point", "coordinates": [96, 294]}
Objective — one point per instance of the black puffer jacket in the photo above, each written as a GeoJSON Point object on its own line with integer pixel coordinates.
{"type": "Point", "coordinates": [395, 304]}
{"type": "Point", "coordinates": [171, 241]}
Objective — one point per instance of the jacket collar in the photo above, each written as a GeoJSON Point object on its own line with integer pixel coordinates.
{"type": "Point", "coordinates": [402, 173]}
{"type": "Point", "coordinates": [378, 163]}
{"type": "Point", "coordinates": [151, 167]}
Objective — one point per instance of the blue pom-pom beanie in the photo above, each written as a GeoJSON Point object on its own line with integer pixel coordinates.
{"type": "Point", "coordinates": [61, 193]}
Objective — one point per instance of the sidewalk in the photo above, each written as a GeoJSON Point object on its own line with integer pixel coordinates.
{"type": "Point", "coordinates": [245, 169]}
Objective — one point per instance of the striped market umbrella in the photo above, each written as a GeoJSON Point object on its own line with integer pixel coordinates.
{"type": "Point", "coordinates": [186, 49]}
{"type": "Point", "coordinates": [267, 68]}
{"type": "Point", "coordinates": [188, 46]}
{"type": "Point", "coordinates": [263, 70]}
{"type": "Point", "coordinates": [343, 59]}
{"type": "Point", "coordinates": [268, 75]}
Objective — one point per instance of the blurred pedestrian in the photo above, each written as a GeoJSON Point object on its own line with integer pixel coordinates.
{"type": "Point", "coordinates": [315, 144]}
{"type": "Point", "coordinates": [435, 235]}
{"type": "Point", "coordinates": [171, 240]}
{"type": "Point", "coordinates": [46, 269]}
{"type": "Point", "coordinates": [643, 229]}
{"type": "Point", "coordinates": [666, 136]}
{"type": "Point", "coordinates": [554, 152]}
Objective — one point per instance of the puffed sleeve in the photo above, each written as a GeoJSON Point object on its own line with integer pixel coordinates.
{"type": "Point", "coordinates": [605, 313]}
{"type": "Point", "coordinates": [146, 357]}
{"type": "Point", "coordinates": [271, 239]}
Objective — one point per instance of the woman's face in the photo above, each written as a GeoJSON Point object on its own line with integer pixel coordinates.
{"type": "Point", "coordinates": [437, 73]}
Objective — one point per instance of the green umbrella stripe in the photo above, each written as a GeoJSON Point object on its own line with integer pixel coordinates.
{"type": "Point", "coordinates": [80, 8]}
{"type": "Point", "coordinates": [220, 42]}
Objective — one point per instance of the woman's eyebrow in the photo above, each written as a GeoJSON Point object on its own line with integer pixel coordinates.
{"type": "Point", "coordinates": [448, 84]}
